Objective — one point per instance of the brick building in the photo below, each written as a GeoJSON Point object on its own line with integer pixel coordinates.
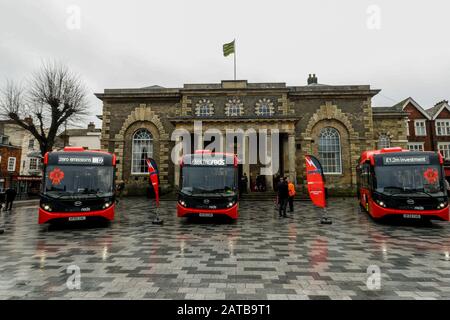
{"type": "Point", "coordinates": [428, 129]}
{"type": "Point", "coordinates": [10, 157]}
{"type": "Point", "coordinates": [334, 122]}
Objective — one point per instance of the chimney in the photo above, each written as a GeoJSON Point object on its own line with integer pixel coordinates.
{"type": "Point", "coordinates": [312, 79]}
{"type": "Point", "coordinates": [91, 127]}
{"type": "Point", "coordinates": [441, 102]}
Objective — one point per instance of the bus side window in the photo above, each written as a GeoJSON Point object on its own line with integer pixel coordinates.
{"type": "Point", "coordinates": [372, 179]}
{"type": "Point", "coordinates": [364, 172]}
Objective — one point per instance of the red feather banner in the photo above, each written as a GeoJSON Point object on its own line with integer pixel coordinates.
{"type": "Point", "coordinates": [316, 181]}
{"type": "Point", "coordinates": [153, 172]}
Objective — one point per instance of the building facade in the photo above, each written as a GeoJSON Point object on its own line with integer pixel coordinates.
{"type": "Point", "coordinates": [428, 129]}
{"type": "Point", "coordinates": [10, 157]}
{"type": "Point", "coordinates": [334, 122]}
{"type": "Point", "coordinates": [27, 181]}
{"type": "Point", "coordinates": [88, 138]}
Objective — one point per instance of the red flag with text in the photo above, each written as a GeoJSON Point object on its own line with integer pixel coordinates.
{"type": "Point", "coordinates": [316, 181]}
{"type": "Point", "coordinates": [153, 172]}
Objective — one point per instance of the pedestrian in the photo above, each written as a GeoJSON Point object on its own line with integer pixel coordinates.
{"type": "Point", "coordinates": [243, 184]}
{"type": "Point", "coordinates": [119, 189]}
{"type": "Point", "coordinates": [283, 195]}
{"type": "Point", "coordinates": [2, 199]}
{"type": "Point", "coordinates": [10, 197]}
{"type": "Point", "coordinates": [291, 190]}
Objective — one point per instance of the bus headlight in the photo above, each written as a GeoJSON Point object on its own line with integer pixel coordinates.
{"type": "Point", "coordinates": [230, 204]}
{"type": "Point", "coordinates": [107, 205]}
{"type": "Point", "coordinates": [381, 203]}
{"type": "Point", "coordinates": [442, 205]}
{"type": "Point", "coordinates": [183, 203]}
{"type": "Point", "coordinates": [46, 207]}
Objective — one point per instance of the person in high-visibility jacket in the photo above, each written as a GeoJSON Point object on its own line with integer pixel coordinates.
{"type": "Point", "coordinates": [291, 188]}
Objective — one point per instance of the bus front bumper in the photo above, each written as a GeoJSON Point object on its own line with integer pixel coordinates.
{"type": "Point", "coordinates": [438, 214]}
{"type": "Point", "coordinates": [230, 212]}
{"type": "Point", "coordinates": [45, 216]}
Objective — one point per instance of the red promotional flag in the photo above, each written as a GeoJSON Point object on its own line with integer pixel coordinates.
{"type": "Point", "coordinates": [316, 181]}
{"type": "Point", "coordinates": [153, 172]}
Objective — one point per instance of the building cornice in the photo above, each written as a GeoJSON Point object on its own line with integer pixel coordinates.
{"type": "Point", "coordinates": [188, 119]}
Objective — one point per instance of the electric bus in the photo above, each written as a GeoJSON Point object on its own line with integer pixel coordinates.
{"type": "Point", "coordinates": [393, 181]}
{"type": "Point", "coordinates": [77, 185]}
{"type": "Point", "coordinates": [208, 185]}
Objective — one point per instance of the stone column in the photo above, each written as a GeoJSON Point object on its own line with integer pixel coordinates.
{"type": "Point", "coordinates": [177, 170]}
{"type": "Point", "coordinates": [269, 178]}
{"type": "Point", "coordinates": [246, 164]}
{"type": "Point", "coordinates": [291, 157]}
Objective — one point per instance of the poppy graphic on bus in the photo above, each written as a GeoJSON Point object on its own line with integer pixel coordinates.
{"type": "Point", "coordinates": [56, 176]}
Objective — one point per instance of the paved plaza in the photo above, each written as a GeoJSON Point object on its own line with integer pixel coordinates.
{"type": "Point", "coordinates": [260, 256]}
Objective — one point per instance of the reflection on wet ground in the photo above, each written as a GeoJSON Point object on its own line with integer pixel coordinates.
{"type": "Point", "coordinates": [259, 256]}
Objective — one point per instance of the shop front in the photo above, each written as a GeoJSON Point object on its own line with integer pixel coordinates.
{"type": "Point", "coordinates": [28, 186]}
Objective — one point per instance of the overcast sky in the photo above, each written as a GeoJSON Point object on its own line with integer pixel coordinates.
{"type": "Point", "coordinates": [401, 47]}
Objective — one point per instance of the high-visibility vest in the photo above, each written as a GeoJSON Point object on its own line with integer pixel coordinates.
{"type": "Point", "coordinates": [291, 188]}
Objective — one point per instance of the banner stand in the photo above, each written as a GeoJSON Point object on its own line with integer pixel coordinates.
{"type": "Point", "coordinates": [316, 186]}
{"type": "Point", "coordinates": [325, 219]}
{"type": "Point", "coordinates": [157, 220]}
{"type": "Point", "coordinates": [154, 181]}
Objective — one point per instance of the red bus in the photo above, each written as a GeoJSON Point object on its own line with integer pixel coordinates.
{"type": "Point", "coordinates": [394, 181]}
{"type": "Point", "coordinates": [208, 185]}
{"type": "Point", "coordinates": [77, 185]}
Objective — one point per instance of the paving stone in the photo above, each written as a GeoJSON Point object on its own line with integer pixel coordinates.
{"type": "Point", "coordinates": [260, 256]}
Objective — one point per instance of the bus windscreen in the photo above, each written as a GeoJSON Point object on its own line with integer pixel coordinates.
{"type": "Point", "coordinates": [205, 179]}
{"type": "Point", "coordinates": [396, 179]}
{"type": "Point", "coordinates": [73, 180]}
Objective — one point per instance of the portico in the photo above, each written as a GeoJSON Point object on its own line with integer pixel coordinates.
{"type": "Point", "coordinates": [249, 139]}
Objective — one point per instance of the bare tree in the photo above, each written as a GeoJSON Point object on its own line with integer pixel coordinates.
{"type": "Point", "coordinates": [53, 97]}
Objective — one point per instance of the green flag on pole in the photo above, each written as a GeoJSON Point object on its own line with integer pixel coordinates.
{"type": "Point", "coordinates": [228, 48]}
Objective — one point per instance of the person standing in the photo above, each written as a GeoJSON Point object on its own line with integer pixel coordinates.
{"type": "Point", "coordinates": [119, 189]}
{"type": "Point", "coordinates": [10, 197]}
{"type": "Point", "coordinates": [283, 195]}
{"type": "Point", "coordinates": [243, 184]}
{"type": "Point", "coordinates": [291, 190]}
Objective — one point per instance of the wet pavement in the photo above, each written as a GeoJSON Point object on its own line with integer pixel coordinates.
{"type": "Point", "coordinates": [260, 256]}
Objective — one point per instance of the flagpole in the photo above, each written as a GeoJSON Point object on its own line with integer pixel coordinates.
{"type": "Point", "coordinates": [234, 59]}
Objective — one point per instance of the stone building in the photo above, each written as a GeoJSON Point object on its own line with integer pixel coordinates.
{"type": "Point", "coordinates": [334, 122]}
{"type": "Point", "coordinates": [88, 138]}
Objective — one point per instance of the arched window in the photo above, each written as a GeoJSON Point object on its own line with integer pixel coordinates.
{"type": "Point", "coordinates": [264, 107]}
{"type": "Point", "coordinates": [234, 110]}
{"type": "Point", "coordinates": [204, 111]}
{"type": "Point", "coordinates": [234, 107]}
{"type": "Point", "coordinates": [384, 141]}
{"type": "Point", "coordinates": [142, 150]}
{"type": "Point", "coordinates": [330, 150]}
{"type": "Point", "coordinates": [204, 108]}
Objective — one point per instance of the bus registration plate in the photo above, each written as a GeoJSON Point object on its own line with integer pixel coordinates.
{"type": "Point", "coordinates": [77, 218]}
{"type": "Point", "coordinates": [411, 216]}
{"type": "Point", "coordinates": [205, 215]}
